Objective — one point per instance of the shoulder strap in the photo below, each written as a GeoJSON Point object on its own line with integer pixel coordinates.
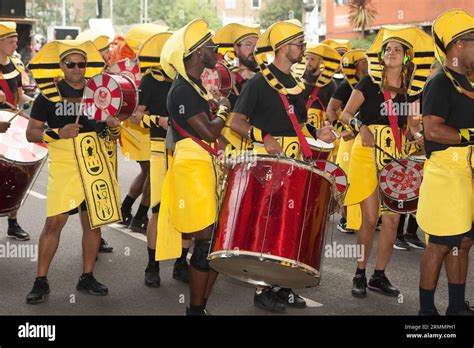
{"type": "Point", "coordinates": [201, 143]}
{"type": "Point", "coordinates": [393, 119]}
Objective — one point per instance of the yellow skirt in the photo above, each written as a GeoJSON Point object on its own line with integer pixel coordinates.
{"type": "Point", "coordinates": [132, 149]}
{"type": "Point", "coordinates": [157, 170]}
{"type": "Point", "coordinates": [446, 202]}
{"type": "Point", "coordinates": [65, 191]}
{"type": "Point", "coordinates": [344, 154]}
{"type": "Point", "coordinates": [189, 197]}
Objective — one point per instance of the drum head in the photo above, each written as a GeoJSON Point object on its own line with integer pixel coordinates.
{"type": "Point", "coordinates": [129, 68]}
{"type": "Point", "coordinates": [320, 145]}
{"type": "Point", "coordinates": [103, 95]}
{"type": "Point", "coordinates": [336, 172]}
{"type": "Point", "coordinates": [218, 80]}
{"type": "Point", "coordinates": [401, 183]}
{"type": "Point", "coordinates": [13, 143]}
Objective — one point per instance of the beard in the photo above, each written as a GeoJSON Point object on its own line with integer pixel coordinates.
{"type": "Point", "coordinates": [309, 76]}
{"type": "Point", "coordinates": [249, 62]}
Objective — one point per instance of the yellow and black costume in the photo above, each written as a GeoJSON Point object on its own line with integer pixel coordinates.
{"type": "Point", "coordinates": [365, 162]}
{"type": "Point", "coordinates": [446, 203]}
{"type": "Point", "coordinates": [79, 172]}
{"type": "Point", "coordinates": [260, 99]}
{"type": "Point", "coordinates": [189, 200]}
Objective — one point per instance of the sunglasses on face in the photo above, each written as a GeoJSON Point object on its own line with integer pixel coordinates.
{"type": "Point", "coordinates": [72, 65]}
{"type": "Point", "coordinates": [298, 44]}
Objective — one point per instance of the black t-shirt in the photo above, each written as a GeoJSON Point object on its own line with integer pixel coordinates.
{"type": "Point", "coordinates": [324, 95]}
{"type": "Point", "coordinates": [153, 94]}
{"type": "Point", "coordinates": [57, 115]}
{"type": "Point", "coordinates": [441, 99]}
{"type": "Point", "coordinates": [13, 83]}
{"type": "Point", "coordinates": [373, 110]}
{"type": "Point", "coordinates": [184, 102]}
{"type": "Point", "coordinates": [343, 93]}
{"type": "Point", "coordinates": [264, 108]}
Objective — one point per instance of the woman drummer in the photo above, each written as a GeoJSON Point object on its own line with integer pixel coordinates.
{"type": "Point", "coordinates": [397, 71]}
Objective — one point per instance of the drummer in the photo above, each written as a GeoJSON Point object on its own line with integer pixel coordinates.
{"type": "Point", "coordinates": [102, 43]}
{"type": "Point", "coordinates": [75, 158]}
{"type": "Point", "coordinates": [446, 205]}
{"type": "Point", "coordinates": [260, 116]}
{"type": "Point", "coordinates": [11, 95]}
{"type": "Point", "coordinates": [152, 114]}
{"type": "Point", "coordinates": [354, 67]}
{"type": "Point", "coordinates": [322, 61]}
{"type": "Point", "coordinates": [188, 203]}
{"type": "Point", "coordinates": [391, 55]}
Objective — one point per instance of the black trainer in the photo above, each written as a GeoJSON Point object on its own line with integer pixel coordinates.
{"type": "Point", "coordinates": [105, 247]}
{"type": "Point", "coordinates": [89, 284]}
{"type": "Point", "coordinates": [181, 271]}
{"type": "Point", "coordinates": [414, 241]}
{"type": "Point", "coordinates": [139, 224]}
{"type": "Point", "coordinates": [289, 298]}
{"type": "Point", "coordinates": [466, 311]}
{"type": "Point", "coordinates": [16, 232]}
{"type": "Point", "coordinates": [152, 275]}
{"type": "Point", "coordinates": [268, 300]}
{"type": "Point", "coordinates": [126, 217]}
{"type": "Point", "coordinates": [401, 244]}
{"type": "Point", "coordinates": [39, 291]}
{"type": "Point", "coordinates": [203, 313]}
{"type": "Point", "coordinates": [359, 285]}
{"type": "Point", "coordinates": [382, 284]}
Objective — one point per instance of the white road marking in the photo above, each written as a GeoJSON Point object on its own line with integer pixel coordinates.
{"type": "Point", "coordinates": [311, 303]}
{"type": "Point", "coordinates": [36, 194]}
{"type": "Point", "coordinates": [125, 230]}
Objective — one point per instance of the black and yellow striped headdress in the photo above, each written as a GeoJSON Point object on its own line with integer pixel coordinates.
{"type": "Point", "coordinates": [137, 35]}
{"type": "Point", "coordinates": [447, 28]}
{"type": "Point", "coordinates": [231, 34]}
{"type": "Point", "coordinates": [45, 65]}
{"type": "Point", "coordinates": [149, 55]}
{"type": "Point", "coordinates": [275, 37]}
{"type": "Point", "coordinates": [100, 41]}
{"type": "Point", "coordinates": [7, 29]}
{"type": "Point", "coordinates": [338, 44]}
{"type": "Point", "coordinates": [420, 53]}
{"type": "Point", "coordinates": [181, 45]}
{"type": "Point", "coordinates": [349, 62]}
{"type": "Point", "coordinates": [331, 62]}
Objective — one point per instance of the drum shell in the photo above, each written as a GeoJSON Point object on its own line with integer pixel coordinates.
{"type": "Point", "coordinates": [129, 97]}
{"type": "Point", "coordinates": [290, 241]}
{"type": "Point", "coordinates": [401, 207]}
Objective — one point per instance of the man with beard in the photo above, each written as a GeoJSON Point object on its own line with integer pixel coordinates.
{"type": "Point", "coordinates": [446, 204]}
{"type": "Point", "coordinates": [260, 115]}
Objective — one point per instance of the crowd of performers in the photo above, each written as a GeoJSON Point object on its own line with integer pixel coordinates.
{"type": "Point", "coordinates": [409, 94]}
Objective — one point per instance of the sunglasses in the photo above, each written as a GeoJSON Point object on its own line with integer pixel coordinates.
{"type": "Point", "coordinates": [214, 48]}
{"type": "Point", "coordinates": [299, 44]}
{"type": "Point", "coordinates": [72, 65]}
{"type": "Point", "coordinates": [468, 39]}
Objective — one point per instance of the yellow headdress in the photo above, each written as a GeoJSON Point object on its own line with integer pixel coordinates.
{"type": "Point", "coordinates": [45, 65]}
{"type": "Point", "coordinates": [331, 62]}
{"type": "Point", "coordinates": [137, 35]}
{"type": "Point", "coordinates": [420, 53]}
{"type": "Point", "coordinates": [275, 37]}
{"type": "Point", "coordinates": [338, 44]}
{"type": "Point", "coordinates": [150, 54]}
{"type": "Point", "coordinates": [100, 41]}
{"type": "Point", "coordinates": [7, 29]}
{"type": "Point", "coordinates": [232, 34]}
{"type": "Point", "coordinates": [181, 45]}
{"type": "Point", "coordinates": [349, 62]}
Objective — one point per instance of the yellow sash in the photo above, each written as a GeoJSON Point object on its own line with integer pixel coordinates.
{"type": "Point", "coordinates": [98, 180]}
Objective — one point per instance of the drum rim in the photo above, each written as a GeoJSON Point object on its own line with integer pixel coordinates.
{"type": "Point", "coordinates": [325, 149]}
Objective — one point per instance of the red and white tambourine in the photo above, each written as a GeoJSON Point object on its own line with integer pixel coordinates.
{"type": "Point", "coordinates": [336, 172]}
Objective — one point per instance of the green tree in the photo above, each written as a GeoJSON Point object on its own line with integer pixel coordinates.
{"type": "Point", "coordinates": [361, 14]}
{"type": "Point", "coordinates": [278, 10]}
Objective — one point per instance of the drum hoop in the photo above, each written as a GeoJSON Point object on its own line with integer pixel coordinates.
{"type": "Point", "coordinates": [324, 149]}
{"type": "Point", "coordinates": [223, 254]}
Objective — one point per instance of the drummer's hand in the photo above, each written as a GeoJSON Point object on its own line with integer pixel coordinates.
{"type": "Point", "coordinates": [4, 126]}
{"type": "Point", "coordinates": [69, 131]}
{"type": "Point", "coordinates": [272, 146]}
{"type": "Point", "coordinates": [137, 117]}
{"type": "Point", "coordinates": [112, 121]}
{"type": "Point", "coordinates": [163, 122]}
{"type": "Point", "coordinates": [3, 97]}
{"type": "Point", "coordinates": [224, 101]}
{"type": "Point", "coordinates": [366, 136]}
{"type": "Point", "coordinates": [326, 134]}
{"type": "Point", "coordinates": [347, 135]}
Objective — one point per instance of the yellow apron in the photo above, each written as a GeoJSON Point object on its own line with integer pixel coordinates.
{"type": "Point", "coordinates": [78, 170]}
{"type": "Point", "coordinates": [189, 197]}
{"type": "Point", "coordinates": [132, 149]}
{"type": "Point", "coordinates": [446, 202]}
{"type": "Point", "coordinates": [290, 146]}
{"type": "Point", "coordinates": [157, 170]}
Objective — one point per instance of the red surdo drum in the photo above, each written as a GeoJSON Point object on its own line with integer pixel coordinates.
{"type": "Point", "coordinates": [218, 80]}
{"type": "Point", "coordinates": [110, 94]}
{"type": "Point", "coordinates": [272, 222]}
{"type": "Point", "coordinates": [20, 162]}
{"type": "Point", "coordinates": [320, 149]}
{"type": "Point", "coordinates": [400, 185]}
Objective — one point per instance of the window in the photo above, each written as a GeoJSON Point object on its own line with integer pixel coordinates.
{"type": "Point", "coordinates": [229, 4]}
{"type": "Point", "coordinates": [254, 3]}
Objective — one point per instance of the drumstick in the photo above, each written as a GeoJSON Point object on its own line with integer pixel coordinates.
{"type": "Point", "coordinates": [124, 128]}
{"type": "Point", "coordinates": [19, 111]}
{"type": "Point", "coordinates": [389, 155]}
